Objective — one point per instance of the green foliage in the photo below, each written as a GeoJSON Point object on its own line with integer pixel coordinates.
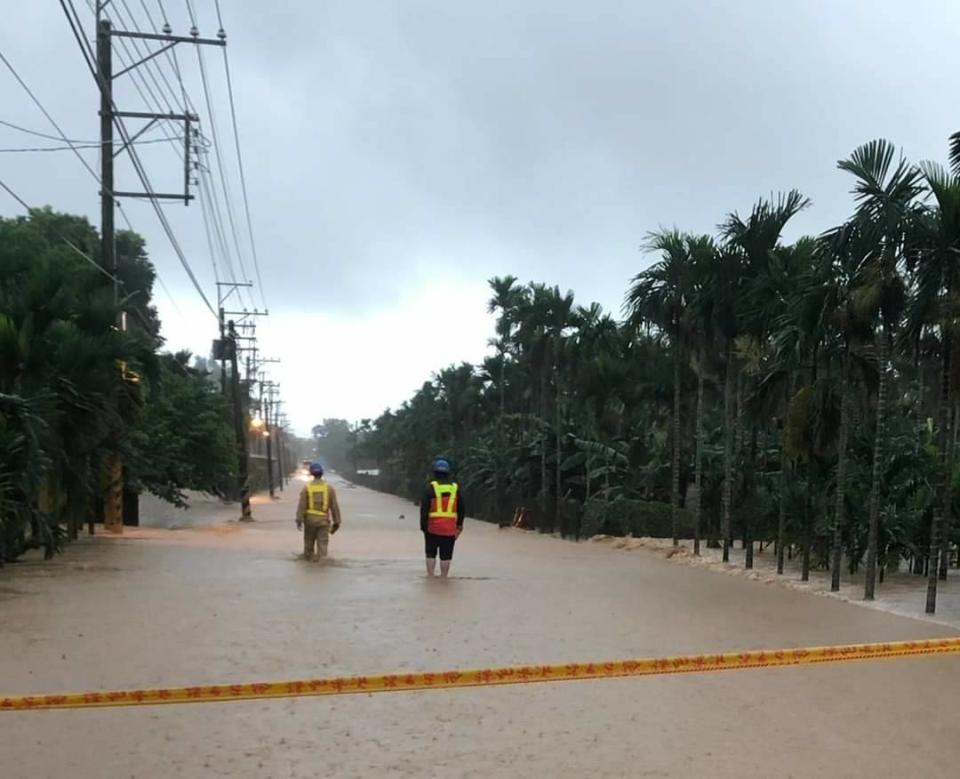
{"type": "Point", "coordinates": [185, 440]}
{"type": "Point", "coordinates": [574, 412]}
{"type": "Point", "coordinates": [74, 388]}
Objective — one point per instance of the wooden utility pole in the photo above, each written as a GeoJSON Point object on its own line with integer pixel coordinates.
{"type": "Point", "coordinates": [240, 427]}
{"type": "Point", "coordinates": [265, 406]}
{"type": "Point", "coordinates": [224, 290]}
{"type": "Point", "coordinates": [282, 463]}
{"type": "Point", "coordinates": [110, 116]}
{"type": "Point", "coordinates": [113, 493]}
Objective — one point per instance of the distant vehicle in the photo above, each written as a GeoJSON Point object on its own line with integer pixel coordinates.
{"type": "Point", "coordinates": [306, 464]}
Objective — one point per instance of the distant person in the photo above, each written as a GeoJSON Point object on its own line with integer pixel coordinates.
{"type": "Point", "coordinates": [318, 506]}
{"type": "Point", "coordinates": [441, 517]}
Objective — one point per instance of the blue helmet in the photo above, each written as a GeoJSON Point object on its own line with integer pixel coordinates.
{"type": "Point", "coordinates": [440, 465]}
{"type": "Point", "coordinates": [316, 468]}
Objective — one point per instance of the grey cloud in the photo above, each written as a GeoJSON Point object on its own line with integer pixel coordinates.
{"type": "Point", "coordinates": [385, 140]}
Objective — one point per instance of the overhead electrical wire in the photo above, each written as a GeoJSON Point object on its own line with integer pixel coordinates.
{"type": "Point", "coordinates": [81, 253]}
{"type": "Point", "coordinates": [63, 238]}
{"type": "Point", "coordinates": [46, 113]}
{"type": "Point", "coordinates": [143, 86]}
{"type": "Point", "coordinates": [171, 54]}
{"type": "Point", "coordinates": [221, 168]}
{"type": "Point", "coordinates": [47, 136]}
{"type": "Point", "coordinates": [206, 229]}
{"type": "Point", "coordinates": [207, 186]}
{"type": "Point", "coordinates": [206, 209]}
{"type": "Point", "coordinates": [150, 65]}
{"type": "Point", "coordinates": [243, 178]}
{"type": "Point", "coordinates": [74, 145]}
{"type": "Point", "coordinates": [134, 156]}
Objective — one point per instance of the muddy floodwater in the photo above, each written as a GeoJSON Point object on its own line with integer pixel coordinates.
{"type": "Point", "coordinates": [217, 602]}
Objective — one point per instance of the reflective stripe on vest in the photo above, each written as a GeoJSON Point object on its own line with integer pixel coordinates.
{"type": "Point", "coordinates": [318, 500]}
{"type": "Point", "coordinates": [442, 519]}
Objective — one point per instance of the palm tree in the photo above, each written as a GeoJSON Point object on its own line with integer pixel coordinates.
{"type": "Point", "coordinates": [659, 295]}
{"type": "Point", "coordinates": [758, 239]}
{"type": "Point", "coordinates": [936, 254]}
{"type": "Point", "coordinates": [885, 191]}
{"type": "Point", "coordinates": [506, 298]}
{"type": "Point", "coordinates": [832, 294]}
{"type": "Point", "coordinates": [561, 319]}
{"type": "Point", "coordinates": [789, 296]}
{"type": "Point", "coordinates": [726, 281]}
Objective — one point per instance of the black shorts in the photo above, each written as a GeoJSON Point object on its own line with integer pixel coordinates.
{"type": "Point", "coordinates": [444, 544]}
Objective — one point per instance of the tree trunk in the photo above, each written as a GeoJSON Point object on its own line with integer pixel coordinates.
{"type": "Point", "coordinates": [838, 516]}
{"type": "Point", "coordinates": [698, 464]}
{"type": "Point", "coordinates": [947, 521]}
{"type": "Point", "coordinates": [498, 480]}
{"type": "Point", "coordinates": [728, 422]}
{"type": "Point", "coordinates": [878, 457]}
{"type": "Point", "coordinates": [738, 458]}
{"type": "Point", "coordinates": [941, 506]}
{"type": "Point", "coordinates": [544, 489]}
{"type": "Point", "coordinates": [784, 482]}
{"type": "Point", "coordinates": [748, 515]}
{"type": "Point", "coordinates": [675, 464]}
{"type": "Point", "coordinates": [807, 527]}
{"type": "Point", "coordinates": [558, 442]}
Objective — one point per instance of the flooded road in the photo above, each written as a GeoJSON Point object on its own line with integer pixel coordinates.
{"type": "Point", "coordinates": [230, 603]}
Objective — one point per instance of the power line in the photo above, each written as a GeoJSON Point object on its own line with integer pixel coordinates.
{"type": "Point", "coordinates": [75, 145]}
{"type": "Point", "coordinates": [150, 65]}
{"type": "Point", "coordinates": [63, 238]}
{"type": "Point", "coordinates": [206, 185]}
{"type": "Point", "coordinates": [44, 135]}
{"type": "Point", "coordinates": [46, 113]}
{"type": "Point", "coordinates": [221, 168]}
{"type": "Point", "coordinates": [134, 156]}
{"type": "Point", "coordinates": [142, 85]}
{"type": "Point", "coordinates": [206, 229]}
{"type": "Point", "coordinates": [90, 259]}
{"type": "Point", "coordinates": [141, 173]}
{"type": "Point", "coordinates": [137, 79]}
{"type": "Point", "coordinates": [243, 178]}
{"type": "Point", "coordinates": [171, 55]}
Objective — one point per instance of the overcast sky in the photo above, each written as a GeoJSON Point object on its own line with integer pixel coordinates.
{"type": "Point", "coordinates": [399, 153]}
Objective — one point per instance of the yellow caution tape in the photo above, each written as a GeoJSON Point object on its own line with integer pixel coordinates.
{"type": "Point", "coordinates": [445, 680]}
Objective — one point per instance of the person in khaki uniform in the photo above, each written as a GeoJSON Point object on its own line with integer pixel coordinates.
{"type": "Point", "coordinates": [318, 514]}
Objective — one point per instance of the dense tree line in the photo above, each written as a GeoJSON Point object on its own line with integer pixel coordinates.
{"type": "Point", "coordinates": [796, 394]}
{"type": "Point", "coordinates": [75, 388]}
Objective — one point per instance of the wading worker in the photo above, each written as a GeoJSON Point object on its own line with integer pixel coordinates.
{"type": "Point", "coordinates": [441, 517]}
{"type": "Point", "coordinates": [318, 514]}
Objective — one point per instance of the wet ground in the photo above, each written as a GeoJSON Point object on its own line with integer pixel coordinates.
{"type": "Point", "coordinates": [229, 602]}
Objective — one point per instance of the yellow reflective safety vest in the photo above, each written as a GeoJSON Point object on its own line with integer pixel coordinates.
{"type": "Point", "coordinates": [318, 501]}
{"type": "Point", "coordinates": [442, 519]}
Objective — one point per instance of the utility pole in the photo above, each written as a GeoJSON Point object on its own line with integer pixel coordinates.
{"type": "Point", "coordinates": [222, 298]}
{"type": "Point", "coordinates": [109, 116]}
{"type": "Point", "coordinates": [232, 343]}
{"type": "Point", "coordinates": [271, 408]}
{"type": "Point", "coordinates": [269, 431]}
{"type": "Point", "coordinates": [113, 495]}
{"type": "Point", "coordinates": [265, 404]}
{"type": "Point", "coordinates": [240, 427]}
{"type": "Point", "coordinates": [281, 443]}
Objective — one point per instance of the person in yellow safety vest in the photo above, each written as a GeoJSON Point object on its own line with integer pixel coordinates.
{"type": "Point", "coordinates": [318, 514]}
{"type": "Point", "coordinates": [441, 517]}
